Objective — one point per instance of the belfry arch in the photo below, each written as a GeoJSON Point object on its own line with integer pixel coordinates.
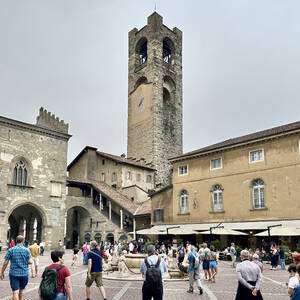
{"type": "Point", "coordinates": [27, 220]}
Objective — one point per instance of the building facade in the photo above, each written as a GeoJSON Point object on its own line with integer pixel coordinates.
{"type": "Point", "coordinates": [155, 96]}
{"type": "Point", "coordinates": [33, 161]}
{"type": "Point", "coordinates": [253, 178]}
{"type": "Point", "coordinates": [107, 197]}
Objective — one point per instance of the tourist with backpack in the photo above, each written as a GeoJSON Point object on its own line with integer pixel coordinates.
{"type": "Point", "coordinates": [19, 258]}
{"type": "Point", "coordinates": [153, 268]}
{"type": "Point", "coordinates": [56, 280]}
{"type": "Point", "coordinates": [194, 270]}
{"type": "Point", "coordinates": [94, 273]}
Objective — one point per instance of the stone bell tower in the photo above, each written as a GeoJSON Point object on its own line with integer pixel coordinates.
{"type": "Point", "coordinates": [155, 95]}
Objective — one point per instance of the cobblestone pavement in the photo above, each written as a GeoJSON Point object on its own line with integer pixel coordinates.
{"type": "Point", "coordinates": [274, 287]}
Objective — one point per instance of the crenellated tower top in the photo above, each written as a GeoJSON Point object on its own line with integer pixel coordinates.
{"type": "Point", "coordinates": [47, 120]}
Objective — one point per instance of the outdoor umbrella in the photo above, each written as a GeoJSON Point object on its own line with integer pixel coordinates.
{"type": "Point", "coordinates": [280, 231]}
{"type": "Point", "coordinates": [223, 231]}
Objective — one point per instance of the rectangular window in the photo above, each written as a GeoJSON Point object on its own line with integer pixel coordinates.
{"type": "Point", "coordinates": [257, 155]}
{"type": "Point", "coordinates": [114, 177]}
{"type": "Point", "coordinates": [103, 177]}
{"type": "Point", "coordinates": [149, 179]}
{"type": "Point", "coordinates": [159, 215]}
{"type": "Point", "coordinates": [128, 176]}
{"type": "Point", "coordinates": [103, 161]}
{"type": "Point", "coordinates": [56, 189]}
{"type": "Point", "coordinates": [216, 164]}
{"type": "Point", "coordinates": [138, 177]}
{"type": "Point", "coordinates": [182, 170]}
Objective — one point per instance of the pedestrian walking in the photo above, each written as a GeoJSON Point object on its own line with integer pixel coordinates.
{"type": "Point", "coordinates": [213, 265]}
{"type": "Point", "coordinates": [233, 254]}
{"type": "Point", "coordinates": [11, 244]}
{"type": "Point", "coordinates": [181, 253]}
{"type": "Point", "coordinates": [293, 279]}
{"type": "Point", "coordinates": [19, 258]}
{"type": "Point", "coordinates": [255, 260]}
{"type": "Point", "coordinates": [281, 257]}
{"type": "Point", "coordinates": [35, 252]}
{"type": "Point", "coordinates": [85, 251]}
{"type": "Point", "coordinates": [75, 255]}
{"type": "Point", "coordinates": [94, 273]}
{"type": "Point", "coordinates": [205, 259]}
{"type": "Point", "coordinates": [296, 292]}
{"type": "Point", "coordinates": [42, 248]}
{"type": "Point", "coordinates": [153, 268]}
{"type": "Point", "coordinates": [274, 257]}
{"type": "Point", "coordinates": [56, 279]}
{"type": "Point", "coordinates": [249, 279]}
{"type": "Point", "coordinates": [194, 270]}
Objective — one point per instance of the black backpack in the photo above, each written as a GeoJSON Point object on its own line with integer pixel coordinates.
{"type": "Point", "coordinates": [153, 273]}
{"type": "Point", "coordinates": [48, 285]}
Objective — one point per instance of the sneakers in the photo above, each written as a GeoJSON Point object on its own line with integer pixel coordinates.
{"type": "Point", "coordinates": [200, 291]}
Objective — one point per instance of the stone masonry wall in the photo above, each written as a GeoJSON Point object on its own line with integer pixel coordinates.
{"type": "Point", "coordinates": [164, 129]}
{"type": "Point", "coordinates": [45, 155]}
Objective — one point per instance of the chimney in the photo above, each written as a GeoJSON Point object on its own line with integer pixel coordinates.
{"type": "Point", "coordinates": [142, 160]}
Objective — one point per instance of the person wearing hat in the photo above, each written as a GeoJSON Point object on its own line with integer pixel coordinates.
{"type": "Point", "coordinates": [249, 279]}
{"type": "Point", "coordinates": [94, 270]}
{"type": "Point", "coordinates": [149, 269]}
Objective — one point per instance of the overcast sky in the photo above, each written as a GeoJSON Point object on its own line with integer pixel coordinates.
{"type": "Point", "coordinates": [241, 65]}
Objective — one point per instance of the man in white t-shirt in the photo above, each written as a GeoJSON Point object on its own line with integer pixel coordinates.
{"type": "Point", "coordinates": [294, 279]}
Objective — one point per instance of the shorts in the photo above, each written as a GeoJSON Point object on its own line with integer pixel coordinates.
{"type": "Point", "coordinates": [213, 264]}
{"type": "Point", "coordinates": [75, 256]}
{"type": "Point", "coordinates": [205, 264]}
{"type": "Point", "coordinates": [95, 276]}
{"type": "Point", "coordinates": [35, 261]}
{"type": "Point", "coordinates": [18, 282]}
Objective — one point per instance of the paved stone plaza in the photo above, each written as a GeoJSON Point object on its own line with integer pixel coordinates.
{"type": "Point", "coordinates": [273, 287]}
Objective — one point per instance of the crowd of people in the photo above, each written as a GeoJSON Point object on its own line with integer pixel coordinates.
{"type": "Point", "coordinates": [56, 278]}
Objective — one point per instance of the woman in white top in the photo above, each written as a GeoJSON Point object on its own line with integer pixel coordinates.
{"type": "Point", "coordinates": [293, 279]}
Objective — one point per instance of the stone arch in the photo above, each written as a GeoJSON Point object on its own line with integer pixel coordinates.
{"type": "Point", "coordinates": [27, 219]}
{"type": "Point", "coordinates": [110, 238]}
{"type": "Point", "coordinates": [78, 220]}
{"type": "Point", "coordinates": [141, 80]}
{"type": "Point", "coordinates": [141, 50]}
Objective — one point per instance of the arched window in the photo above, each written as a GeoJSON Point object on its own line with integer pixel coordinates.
{"type": "Point", "coordinates": [98, 238]}
{"type": "Point", "coordinates": [217, 198]}
{"type": "Point", "coordinates": [258, 194]}
{"type": "Point", "coordinates": [20, 174]}
{"type": "Point", "coordinates": [87, 237]}
{"type": "Point", "coordinates": [168, 49]}
{"type": "Point", "coordinates": [183, 202]}
{"type": "Point", "coordinates": [141, 49]}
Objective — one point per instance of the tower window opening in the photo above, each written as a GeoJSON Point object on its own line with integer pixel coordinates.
{"type": "Point", "coordinates": [143, 53]}
{"type": "Point", "coordinates": [166, 95]}
{"type": "Point", "coordinates": [166, 52]}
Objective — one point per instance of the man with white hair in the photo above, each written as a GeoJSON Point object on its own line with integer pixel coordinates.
{"type": "Point", "coordinates": [250, 279]}
{"type": "Point", "coordinates": [194, 270]}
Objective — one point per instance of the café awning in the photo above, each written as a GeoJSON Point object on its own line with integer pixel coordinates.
{"type": "Point", "coordinates": [152, 231]}
{"type": "Point", "coordinates": [223, 231]}
{"type": "Point", "coordinates": [280, 231]}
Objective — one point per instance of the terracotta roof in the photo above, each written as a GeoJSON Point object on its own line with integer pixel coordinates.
{"type": "Point", "coordinates": [243, 139]}
{"type": "Point", "coordinates": [116, 158]}
{"type": "Point", "coordinates": [125, 160]}
{"type": "Point", "coordinates": [121, 200]}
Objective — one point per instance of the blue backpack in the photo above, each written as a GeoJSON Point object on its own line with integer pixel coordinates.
{"type": "Point", "coordinates": [296, 293]}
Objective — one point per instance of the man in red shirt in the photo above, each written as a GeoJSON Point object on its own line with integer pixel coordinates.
{"type": "Point", "coordinates": [11, 244]}
{"type": "Point", "coordinates": [64, 286]}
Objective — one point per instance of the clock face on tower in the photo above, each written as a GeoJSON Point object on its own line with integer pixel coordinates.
{"type": "Point", "coordinates": [140, 103]}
